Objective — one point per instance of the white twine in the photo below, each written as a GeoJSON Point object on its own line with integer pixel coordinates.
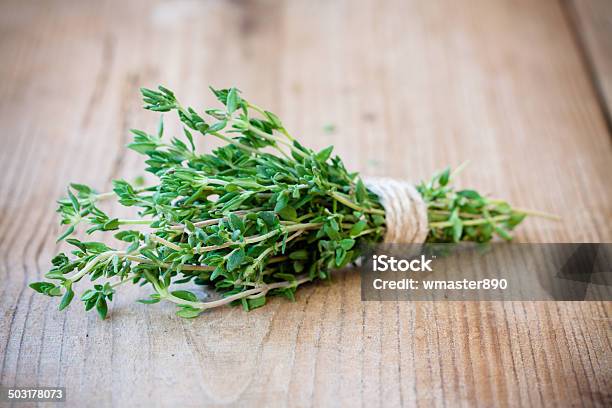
{"type": "Point", "coordinates": [405, 210]}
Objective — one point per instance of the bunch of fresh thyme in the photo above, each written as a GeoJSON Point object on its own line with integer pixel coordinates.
{"type": "Point", "coordinates": [254, 218]}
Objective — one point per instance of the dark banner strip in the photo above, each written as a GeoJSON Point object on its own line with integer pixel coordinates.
{"type": "Point", "coordinates": [498, 271]}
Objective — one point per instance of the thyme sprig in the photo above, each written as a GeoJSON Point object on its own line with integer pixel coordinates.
{"type": "Point", "coordinates": [257, 217]}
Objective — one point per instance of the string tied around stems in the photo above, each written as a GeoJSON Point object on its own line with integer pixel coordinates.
{"type": "Point", "coordinates": [405, 210]}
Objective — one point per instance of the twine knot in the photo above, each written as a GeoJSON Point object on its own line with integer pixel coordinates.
{"type": "Point", "coordinates": [405, 210]}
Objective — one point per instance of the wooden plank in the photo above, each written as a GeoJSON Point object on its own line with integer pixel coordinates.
{"type": "Point", "coordinates": [410, 87]}
{"type": "Point", "coordinates": [593, 22]}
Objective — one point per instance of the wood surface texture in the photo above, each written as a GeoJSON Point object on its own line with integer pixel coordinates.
{"type": "Point", "coordinates": [409, 87]}
{"type": "Point", "coordinates": [592, 20]}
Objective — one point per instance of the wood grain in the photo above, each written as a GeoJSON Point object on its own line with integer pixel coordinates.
{"type": "Point", "coordinates": [592, 20]}
{"type": "Point", "coordinates": [410, 87]}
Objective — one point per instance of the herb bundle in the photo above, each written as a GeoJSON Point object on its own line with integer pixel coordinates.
{"type": "Point", "coordinates": [257, 217]}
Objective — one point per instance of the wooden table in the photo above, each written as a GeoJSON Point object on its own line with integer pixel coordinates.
{"type": "Point", "coordinates": [401, 88]}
